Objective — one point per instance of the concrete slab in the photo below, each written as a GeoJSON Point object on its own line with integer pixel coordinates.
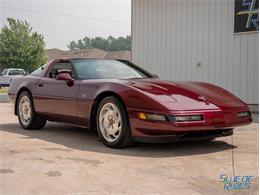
{"type": "Point", "coordinates": [63, 159]}
{"type": "Point", "coordinates": [4, 98]}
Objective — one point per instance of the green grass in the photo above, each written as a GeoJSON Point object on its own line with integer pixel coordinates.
{"type": "Point", "coordinates": [4, 90]}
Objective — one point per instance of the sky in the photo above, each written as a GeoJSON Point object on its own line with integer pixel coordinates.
{"type": "Point", "coordinates": [62, 21]}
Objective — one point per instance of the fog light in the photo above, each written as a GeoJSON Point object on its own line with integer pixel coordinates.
{"type": "Point", "coordinates": [151, 117]}
{"type": "Point", "coordinates": [188, 118]}
{"type": "Point", "coordinates": [243, 114]}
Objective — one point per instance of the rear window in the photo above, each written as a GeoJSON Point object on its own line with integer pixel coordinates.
{"type": "Point", "coordinates": [16, 72]}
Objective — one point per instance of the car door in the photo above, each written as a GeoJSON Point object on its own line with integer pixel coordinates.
{"type": "Point", "coordinates": [55, 97]}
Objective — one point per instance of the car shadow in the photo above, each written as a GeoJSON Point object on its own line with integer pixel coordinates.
{"type": "Point", "coordinates": [87, 140]}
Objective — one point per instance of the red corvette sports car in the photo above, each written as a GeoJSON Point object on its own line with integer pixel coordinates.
{"type": "Point", "coordinates": [124, 102]}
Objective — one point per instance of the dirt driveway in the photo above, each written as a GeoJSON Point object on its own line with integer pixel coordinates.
{"type": "Point", "coordinates": [62, 159]}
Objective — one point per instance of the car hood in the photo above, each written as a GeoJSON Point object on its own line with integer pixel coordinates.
{"type": "Point", "coordinates": [186, 95]}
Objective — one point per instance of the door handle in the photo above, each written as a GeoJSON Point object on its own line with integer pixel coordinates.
{"type": "Point", "coordinates": [40, 85]}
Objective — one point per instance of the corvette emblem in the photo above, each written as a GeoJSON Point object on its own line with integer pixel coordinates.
{"type": "Point", "coordinates": [204, 99]}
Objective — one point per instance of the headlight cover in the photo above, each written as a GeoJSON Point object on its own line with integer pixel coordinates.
{"type": "Point", "coordinates": [170, 118]}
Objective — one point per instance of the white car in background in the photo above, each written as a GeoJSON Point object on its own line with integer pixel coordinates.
{"type": "Point", "coordinates": [8, 74]}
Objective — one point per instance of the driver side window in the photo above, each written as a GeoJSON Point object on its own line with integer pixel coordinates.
{"type": "Point", "coordinates": [59, 66]}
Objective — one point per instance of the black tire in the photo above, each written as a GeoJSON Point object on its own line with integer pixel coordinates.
{"type": "Point", "coordinates": [125, 138]}
{"type": "Point", "coordinates": [36, 122]}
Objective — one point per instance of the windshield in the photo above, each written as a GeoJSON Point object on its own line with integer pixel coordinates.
{"type": "Point", "coordinates": [38, 71]}
{"type": "Point", "coordinates": [4, 72]}
{"type": "Point", "coordinates": [107, 69]}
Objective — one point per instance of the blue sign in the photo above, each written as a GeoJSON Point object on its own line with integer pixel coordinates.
{"type": "Point", "coordinates": [236, 182]}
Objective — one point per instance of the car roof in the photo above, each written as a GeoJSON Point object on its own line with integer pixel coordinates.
{"type": "Point", "coordinates": [14, 69]}
{"type": "Point", "coordinates": [82, 58]}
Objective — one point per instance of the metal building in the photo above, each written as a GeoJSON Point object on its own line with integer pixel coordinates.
{"type": "Point", "coordinates": [195, 40]}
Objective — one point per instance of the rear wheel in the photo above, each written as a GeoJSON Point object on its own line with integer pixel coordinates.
{"type": "Point", "coordinates": [112, 123]}
{"type": "Point", "coordinates": [27, 116]}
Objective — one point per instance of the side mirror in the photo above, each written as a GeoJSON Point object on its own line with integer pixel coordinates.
{"type": "Point", "coordinates": [65, 75]}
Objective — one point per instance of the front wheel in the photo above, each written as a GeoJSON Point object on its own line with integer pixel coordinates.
{"type": "Point", "coordinates": [112, 123]}
{"type": "Point", "coordinates": [27, 116]}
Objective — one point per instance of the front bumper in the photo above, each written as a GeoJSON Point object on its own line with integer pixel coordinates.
{"type": "Point", "coordinates": [185, 136]}
{"type": "Point", "coordinates": [4, 84]}
{"type": "Point", "coordinates": [216, 123]}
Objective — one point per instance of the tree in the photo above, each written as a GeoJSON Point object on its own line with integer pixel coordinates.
{"type": "Point", "coordinates": [20, 47]}
{"type": "Point", "coordinates": [108, 44]}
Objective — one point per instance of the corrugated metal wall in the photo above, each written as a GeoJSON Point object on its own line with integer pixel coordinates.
{"type": "Point", "coordinates": [194, 40]}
